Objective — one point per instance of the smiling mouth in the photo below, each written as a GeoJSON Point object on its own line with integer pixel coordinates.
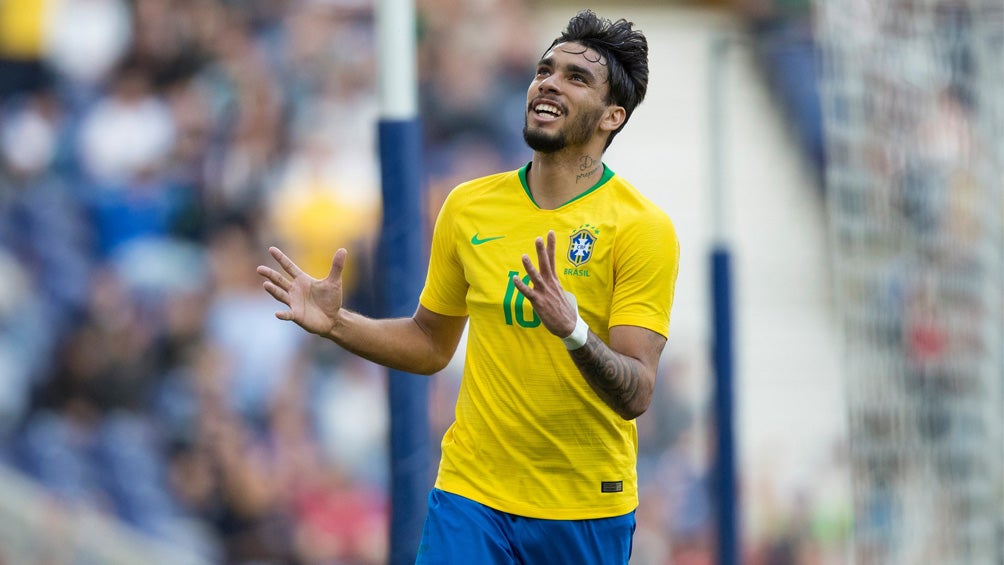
{"type": "Point", "coordinates": [548, 110]}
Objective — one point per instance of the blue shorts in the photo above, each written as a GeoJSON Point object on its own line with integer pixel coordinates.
{"type": "Point", "coordinates": [460, 531]}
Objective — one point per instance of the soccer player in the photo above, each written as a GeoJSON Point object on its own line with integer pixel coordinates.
{"type": "Point", "coordinates": [566, 275]}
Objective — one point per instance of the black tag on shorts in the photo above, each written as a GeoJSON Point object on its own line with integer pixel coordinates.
{"type": "Point", "coordinates": [612, 486]}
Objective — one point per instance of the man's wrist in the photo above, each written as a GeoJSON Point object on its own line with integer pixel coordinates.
{"type": "Point", "coordinates": [337, 331]}
{"type": "Point", "coordinates": [579, 335]}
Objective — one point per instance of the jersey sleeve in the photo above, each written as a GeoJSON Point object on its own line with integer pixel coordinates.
{"type": "Point", "coordinates": [445, 290]}
{"type": "Point", "coordinates": [646, 266]}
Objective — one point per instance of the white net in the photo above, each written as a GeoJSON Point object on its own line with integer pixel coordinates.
{"type": "Point", "coordinates": [913, 98]}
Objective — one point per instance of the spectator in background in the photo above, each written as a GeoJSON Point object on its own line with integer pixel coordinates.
{"type": "Point", "coordinates": [313, 190]}
{"type": "Point", "coordinates": [45, 240]}
{"type": "Point", "coordinates": [246, 106]}
{"type": "Point", "coordinates": [472, 120]}
{"type": "Point", "coordinates": [84, 41]}
{"type": "Point", "coordinates": [125, 143]}
{"type": "Point", "coordinates": [22, 46]}
{"type": "Point", "coordinates": [129, 133]}
{"type": "Point", "coordinates": [257, 355]}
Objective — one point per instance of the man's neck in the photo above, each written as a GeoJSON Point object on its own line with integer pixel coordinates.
{"type": "Point", "coordinates": [556, 178]}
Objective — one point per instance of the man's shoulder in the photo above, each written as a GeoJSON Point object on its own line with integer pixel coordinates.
{"type": "Point", "coordinates": [636, 204]}
{"type": "Point", "coordinates": [488, 181]}
{"type": "Point", "coordinates": [477, 187]}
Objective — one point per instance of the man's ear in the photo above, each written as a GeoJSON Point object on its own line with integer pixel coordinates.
{"type": "Point", "coordinates": [613, 118]}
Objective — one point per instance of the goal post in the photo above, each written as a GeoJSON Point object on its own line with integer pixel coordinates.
{"type": "Point", "coordinates": [401, 261]}
{"type": "Point", "coordinates": [728, 509]}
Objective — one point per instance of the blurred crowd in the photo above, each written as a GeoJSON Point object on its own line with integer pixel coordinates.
{"type": "Point", "coordinates": [150, 151]}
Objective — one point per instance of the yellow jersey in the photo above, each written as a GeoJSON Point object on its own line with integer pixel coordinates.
{"type": "Point", "coordinates": [531, 437]}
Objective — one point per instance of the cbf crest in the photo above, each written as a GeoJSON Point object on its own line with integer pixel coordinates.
{"type": "Point", "coordinates": [581, 244]}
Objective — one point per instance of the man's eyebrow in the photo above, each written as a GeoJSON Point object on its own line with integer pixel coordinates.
{"type": "Point", "coordinates": [569, 67]}
{"type": "Point", "coordinates": [573, 68]}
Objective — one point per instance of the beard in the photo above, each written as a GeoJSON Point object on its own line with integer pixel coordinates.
{"type": "Point", "coordinates": [542, 142]}
{"type": "Point", "coordinates": [578, 132]}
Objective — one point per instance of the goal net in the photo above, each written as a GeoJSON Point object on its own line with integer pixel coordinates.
{"type": "Point", "coordinates": [913, 99]}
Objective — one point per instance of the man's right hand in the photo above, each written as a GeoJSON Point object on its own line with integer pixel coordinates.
{"type": "Point", "coordinates": [314, 304]}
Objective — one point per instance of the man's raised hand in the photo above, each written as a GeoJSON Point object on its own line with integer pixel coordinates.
{"type": "Point", "coordinates": [550, 302]}
{"type": "Point", "coordinates": [313, 304]}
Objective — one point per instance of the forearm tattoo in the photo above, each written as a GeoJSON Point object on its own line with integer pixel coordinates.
{"type": "Point", "coordinates": [615, 379]}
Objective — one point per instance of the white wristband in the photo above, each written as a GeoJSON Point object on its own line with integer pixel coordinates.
{"type": "Point", "coordinates": [578, 336]}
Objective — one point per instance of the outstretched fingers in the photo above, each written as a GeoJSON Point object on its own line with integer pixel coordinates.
{"type": "Point", "coordinates": [542, 264]}
{"type": "Point", "coordinates": [551, 245]}
{"type": "Point", "coordinates": [285, 262]}
{"type": "Point", "coordinates": [276, 284]}
{"type": "Point", "coordinates": [531, 270]}
{"type": "Point", "coordinates": [544, 290]}
{"type": "Point", "coordinates": [273, 277]}
{"type": "Point", "coordinates": [543, 271]}
{"type": "Point", "coordinates": [276, 292]}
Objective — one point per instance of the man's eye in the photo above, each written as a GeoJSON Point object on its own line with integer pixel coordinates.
{"type": "Point", "coordinates": [543, 72]}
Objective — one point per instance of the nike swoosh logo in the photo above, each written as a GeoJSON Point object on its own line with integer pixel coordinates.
{"type": "Point", "coordinates": [476, 241]}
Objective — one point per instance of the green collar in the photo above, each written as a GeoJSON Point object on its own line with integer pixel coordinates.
{"type": "Point", "coordinates": [607, 175]}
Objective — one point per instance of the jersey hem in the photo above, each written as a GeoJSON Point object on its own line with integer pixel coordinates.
{"type": "Point", "coordinates": [527, 511]}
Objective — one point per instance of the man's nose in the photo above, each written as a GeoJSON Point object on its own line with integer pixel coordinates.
{"type": "Point", "coordinates": [549, 84]}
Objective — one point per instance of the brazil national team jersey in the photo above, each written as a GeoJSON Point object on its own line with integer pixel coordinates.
{"type": "Point", "coordinates": [531, 437]}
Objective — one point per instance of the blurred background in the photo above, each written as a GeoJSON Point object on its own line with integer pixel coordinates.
{"type": "Point", "coordinates": [152, 409]}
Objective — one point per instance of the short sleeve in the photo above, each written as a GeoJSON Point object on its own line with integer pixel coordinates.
{"type": "Point", "coordinates": [445, 290]}
{"type": "Point", "coordinates": [646, 265]}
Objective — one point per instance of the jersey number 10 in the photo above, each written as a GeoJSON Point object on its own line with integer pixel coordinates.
{"type": "Point", "coordinates": [517, 310]}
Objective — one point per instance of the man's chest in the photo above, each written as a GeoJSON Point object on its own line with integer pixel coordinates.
{"type": "Point", "coordinates": [491, 251]}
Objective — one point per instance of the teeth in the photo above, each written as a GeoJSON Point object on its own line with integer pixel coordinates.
{"type": "Point", "coordinates": [548, 108]}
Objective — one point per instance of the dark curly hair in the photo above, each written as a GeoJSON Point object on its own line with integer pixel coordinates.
{"type": "Point", "coordinates": [625, 50]}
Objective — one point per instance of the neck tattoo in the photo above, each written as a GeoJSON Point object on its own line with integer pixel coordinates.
{"type": "Point", "coordinates": [587, 168]}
